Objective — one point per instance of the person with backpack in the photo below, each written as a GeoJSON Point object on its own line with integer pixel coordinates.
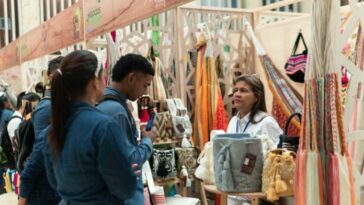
{"type": "Point", "coordinates": [8, 143]}
{"type": "Point", "coordinates": [25, 105]}
{"type": "Point", "coordinates": [35, 188]}
{"type": "Point", "coordinates": [5, 110]}
{"type": "Point", "coordinates": [5, 115]}
{"type": "Point", "coordinates": [131, 77]}
{"type": "Point", "coordinates": [84, 157]}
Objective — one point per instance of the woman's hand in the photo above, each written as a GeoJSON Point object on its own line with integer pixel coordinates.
{"type": "Point", "coordinates": [22, 201]}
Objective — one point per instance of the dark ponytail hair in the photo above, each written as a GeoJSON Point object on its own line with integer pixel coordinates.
{"type": "Point", "coordinates": [29, 98]}
{"type": "Point", "coordinates": [69, 82]}
{"type": "Point", "coordinates": [19, 99]}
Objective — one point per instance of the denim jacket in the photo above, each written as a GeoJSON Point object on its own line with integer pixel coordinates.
{"type": "Point", "coordinates": [140, 152]}
{"type": "Point", "coordinates": [5, 115]}
{"type": "Point", "coordinates": [92, 167]}
{"type": "Point", "coordinates": [34, 184]}
{"type": "Point", "coordinates": [41, 116]}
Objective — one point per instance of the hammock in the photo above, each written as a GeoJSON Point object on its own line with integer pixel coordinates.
{"type": "Point", "coordinates": [324, 167]}
{"type": "Point", "coordinates": [286, 100]}
{"type": "Point", "coordinates": [209, 106]}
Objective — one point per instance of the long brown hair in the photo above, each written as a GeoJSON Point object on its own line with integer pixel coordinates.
{"type": "Point", "coordinates": [257, 88]}
{"type": "Point", "coordinates": [69, 82]}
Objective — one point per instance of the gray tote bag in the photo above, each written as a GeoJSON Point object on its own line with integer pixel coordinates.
{"type": "Point", "coordinates": [238, 164]}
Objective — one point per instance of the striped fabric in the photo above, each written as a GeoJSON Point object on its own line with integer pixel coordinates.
{"type": "Point", "coordinates": [296, 64]}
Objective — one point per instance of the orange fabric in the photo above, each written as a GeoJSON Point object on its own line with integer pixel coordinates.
{"type": "Point", "coordinates": [217, 115]}
{"type": "Point", "coordinates": [196, 122]}
{"type": "Point", "coordinates": [209, 106]}
{"type": "Point", "coordinates": [204, 114]}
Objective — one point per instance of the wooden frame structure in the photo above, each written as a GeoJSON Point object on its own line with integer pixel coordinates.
{"type": "Point", "coordinates": [355, 91]}
{"type": "Point", "coordinates": [177, 28]}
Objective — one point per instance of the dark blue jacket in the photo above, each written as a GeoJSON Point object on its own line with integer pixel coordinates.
{"type": "Point", "coordinates": [93, 168]}
{"type": "Point", "coordinates": [5, 116]}
{"type": "Point", "coordinates": [41, 115]}
{"type": "Point", "coordinates": [34, 183]}
{"type": "Point", "coordinates": [139, 153]}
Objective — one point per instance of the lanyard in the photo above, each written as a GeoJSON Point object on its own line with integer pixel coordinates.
{"type": "Point", "coordinates": [237, 126]}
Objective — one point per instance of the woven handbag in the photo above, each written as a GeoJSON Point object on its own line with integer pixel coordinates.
{"type": "Point", "coordinates": [296, 64]}
{"type": "Point", "coordinates": [188, 158]}
{"type": "Point", "coordinates": [163, 163]}
{"type": "Point", "coordinates": [163, 124]}
{"type": "Point", "coordinates": [278, 174]}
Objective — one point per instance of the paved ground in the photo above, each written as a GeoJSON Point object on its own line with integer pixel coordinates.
{"type": "Point", "coordinates": [8, 199]}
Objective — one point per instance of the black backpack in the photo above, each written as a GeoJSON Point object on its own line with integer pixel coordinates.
{"type": "Point", "coordinates": [7, 155]}
{"type": "Point", "coordinates": [25, 138]}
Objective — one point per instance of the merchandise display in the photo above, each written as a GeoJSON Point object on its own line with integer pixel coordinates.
{"type": "Point", "coordinates": [192, 124]}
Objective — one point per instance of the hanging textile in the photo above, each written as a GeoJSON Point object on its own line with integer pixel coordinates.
{"type": "Point", "coordinates": [209, 106]}
{"type": "Point", "coordinates": [112, 55]}
{"type": "Point", "coordinates": [154, 20]}
{"type": "Point", "coordinates": [157, 90]}
{"type": "Point", "coordinates": [286, 100]}
{"type": "Point", "coordinates": [324, 168]}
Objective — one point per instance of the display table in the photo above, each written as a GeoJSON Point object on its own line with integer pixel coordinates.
{"type": "Point", "coordinates": [254, 197]}
{"type": "Point", "coordinates": [180, 182]}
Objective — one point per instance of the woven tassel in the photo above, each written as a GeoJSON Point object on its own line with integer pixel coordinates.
{"type": "Point", "coordinates": [333, 180]}
{"type": "Point", "coordinates": [280, 185]}
{"type": "Point", "coordinates": [271, 193]}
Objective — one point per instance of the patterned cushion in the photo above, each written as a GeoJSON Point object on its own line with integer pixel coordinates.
{"type": "Point", "coordinates": [164, 163]}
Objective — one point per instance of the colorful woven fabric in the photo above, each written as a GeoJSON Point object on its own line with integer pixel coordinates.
{"type": "Point", "coordinates": [209, 107]}
{"type": "Point", "coordinates": [286, 100]}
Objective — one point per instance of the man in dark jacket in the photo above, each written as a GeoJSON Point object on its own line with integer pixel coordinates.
{"type": "Point", "coordinates": [131, 77]}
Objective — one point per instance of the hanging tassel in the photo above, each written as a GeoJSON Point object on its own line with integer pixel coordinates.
{"type": "Point", "coordinates": [271, 193]}
{"type": "Point", "coordinates": [280, 185]}
{"type": "Point", "coordinates": [333, 180]}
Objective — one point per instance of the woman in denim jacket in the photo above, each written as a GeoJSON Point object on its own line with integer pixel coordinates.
{"type": "Point", "coordinates": [85, 159]}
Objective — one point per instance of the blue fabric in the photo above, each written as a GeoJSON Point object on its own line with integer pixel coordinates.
{"type": "Point", "coordinates": [5, 116]}
{"type": "Point", "coordinates": [93, 167]}
{"type": "Point", "coordinates": [139, 153]}
{"type": "Point", "coordinates": [41, 116]}
{"type": "Point", "coordinates": [34, 183]}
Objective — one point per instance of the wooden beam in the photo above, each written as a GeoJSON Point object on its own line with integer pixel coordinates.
{"type": "Point", "coordinates": [108, 15]}
{"type": "Point", "coordinates": [82, 21]}
{"type": "Point", "coordinates": [9, 55]}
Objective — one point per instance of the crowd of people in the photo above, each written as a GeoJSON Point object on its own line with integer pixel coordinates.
{"type": "Point", "coordinates": [85, 147]}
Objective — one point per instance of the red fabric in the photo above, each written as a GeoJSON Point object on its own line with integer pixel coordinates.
{"type": "Point", "coordinates": [16, 183]}
{"type": "Point", "coordinates": [144, 115]}
{"type": "Point", "coordinates": [220, 119]}
{"type": "Point", "coordinates": [217, 199]}
{"type": "Point", "coordinates": [282, 118]}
